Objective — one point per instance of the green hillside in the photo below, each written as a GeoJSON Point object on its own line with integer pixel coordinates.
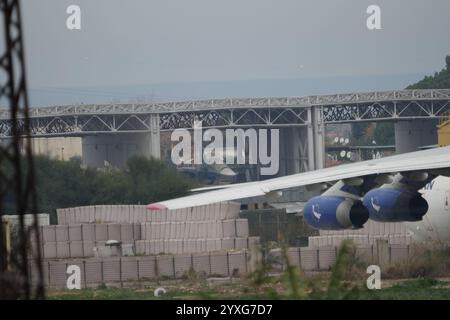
{"type": "Point", "coordinates": [440, 80]}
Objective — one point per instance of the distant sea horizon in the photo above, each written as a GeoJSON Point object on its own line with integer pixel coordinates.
{"type": "Point", "coordinates": [179, 91]}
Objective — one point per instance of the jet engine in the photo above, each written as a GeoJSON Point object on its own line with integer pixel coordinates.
{"type": "Point", "coordinates": [335, 213]}
{"type": "Point", "coordinates": [395, 205]}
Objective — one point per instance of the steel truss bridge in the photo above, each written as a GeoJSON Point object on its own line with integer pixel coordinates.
{"type": "Point", "coordinates": [79, 120]}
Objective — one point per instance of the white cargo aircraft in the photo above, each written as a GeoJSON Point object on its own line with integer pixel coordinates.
{"type": "Point", "coordinates": [412, 187]}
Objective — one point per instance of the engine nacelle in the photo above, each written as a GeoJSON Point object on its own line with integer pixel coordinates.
{"type": "Point", "coordinates": [335, 213]}
{"type": "Point", "coordinates": [395, 205]}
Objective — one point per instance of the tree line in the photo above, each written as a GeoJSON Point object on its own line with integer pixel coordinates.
{"type": "Point", "coordinates": [61, 184]}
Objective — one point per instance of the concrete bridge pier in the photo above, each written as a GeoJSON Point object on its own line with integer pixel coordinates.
{"type": "Point", "coordinates": [412, 134]}
{"type": "Point", "coordinates": [115, 148]}
{"type": "Point", "coordinates": [303, 148]}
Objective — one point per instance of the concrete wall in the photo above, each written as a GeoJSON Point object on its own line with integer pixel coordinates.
{"type": "Point", "coordinates": [122, 270]}
{"type": "Point", "coordinates": [323, 258]}
{"type": "Point", "coordinates": [410, 135]}
{"type": "Point", "coordinates": [114, 149]}
{"type": "Point", "coordinates": [62, 148]}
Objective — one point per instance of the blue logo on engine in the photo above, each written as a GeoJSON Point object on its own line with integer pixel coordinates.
{"type": "Point", "coordinates": [375, 204]}
{"type": "Point", "coordinates": [315, 212]}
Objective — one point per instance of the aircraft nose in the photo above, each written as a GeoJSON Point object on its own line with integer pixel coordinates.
{"type": "Point", "coordinates": [156, 206]}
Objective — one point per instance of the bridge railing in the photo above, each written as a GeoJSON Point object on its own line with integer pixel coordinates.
{"type": "Point", "coordinates": [235, 103]}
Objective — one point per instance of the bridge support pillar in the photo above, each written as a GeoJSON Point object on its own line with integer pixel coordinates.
{"type": "Point", "coordinates": [115, 148]}
{"type": "Point", "coordinates": [293, 150]}
{"type": "Point", "coordinates": [303, 148]}
{"type": "Point", "coordinates": [315, 118]}
{"type": "Point", "coordinates": [412, 134]}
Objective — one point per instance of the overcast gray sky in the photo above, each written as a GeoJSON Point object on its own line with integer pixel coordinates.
{"type": "Point", "coordinates": [167, 46]}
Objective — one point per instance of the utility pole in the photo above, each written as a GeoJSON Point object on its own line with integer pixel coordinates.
{"type": "Point", "coordinates": [16, 167]}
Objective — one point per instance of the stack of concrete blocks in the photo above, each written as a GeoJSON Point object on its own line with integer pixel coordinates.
{"type": "Point", "coordinates": [394, 233]}
{"type": "Point", "coordinates": [306, 258]}
{"type": "Point", "coordinates": [200, 229]}
{"type": "Point", "coordinates": [79, 240]}
{"type": "Point", "coordinates": [139, 213]}
{"type": "Point", "coordinates": [127, 271]}
{"type": "Point", "coordinates": [324, 257]}
{"type": "Point", "coordinates": [208, 228]}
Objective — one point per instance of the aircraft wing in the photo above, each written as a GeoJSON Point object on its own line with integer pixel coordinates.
{"type": "Point", "coordinates": [426, 160]}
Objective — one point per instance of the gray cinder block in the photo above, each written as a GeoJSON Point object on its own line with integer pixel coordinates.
{"type": "Point", "coordinates": [88, 232]}
{"type": "Point", "coordinates": [49, 234]}
{"type": "Point", "coordinates": [147, 267]}
{"type": "Point", "coordinates": [137, 231]}
{"type": "Point", "coordinates": [165, 266]}
{"type": "Point", "coordinates": [140, 247]}
{"type": "Point", "coordinates": [178, 230]}
{"type": "Point", "coordinates": [88, 248]}
{"type": "Point", "coordinates": [202, 229]}
{"type": "Point", "coordinates": [75, 233]}
{"type": "Point", "coordinates": [209, 229]}
{"type": "Point", "coordinates": [195, 214]}
{"type": "Point", "coordinates": [223, 211]}
{"type": "Point", "coordinates": [217, 211]}
{"type": "Point", "coordinates": [189, 246]}
{"type": "Point", "coordinates": [165, 229]}
{"type": "Point", "coordinates": [242, 228]}
{"type": "Point", "coordinates": [179, 246]}
{"type": "Point", "coordinates": [173, 230]}
{"type": "Point", "coordinates": [229, 228]}
{"type": "Point", "coordinates": [129, 269]}
{"type": "Point", "coordinates": [309, 259]}
{"type": "Point", "coordinates": [101, 232]}
{"type": "Point", "coordinates": [62, 250]}
{"type": "Point", "coordinates": [111, 269]}
{"type": "Point", "coordinates": [60, 215]}
{"type": "Point", "coordinates": [160, 246]}
{"type": "Point", "coordinates": [97, 214]}
{"type": "Point", "coordinates": [126, 232]}
{"type": "Point", "coordinates": [195, 230]}
{"type": "Point", "coordinates": [237, 263]}
{"type": "Point", "coordinates": [124, 214]}
{"type": "Point", "coordinates": [218, 242]}
{"type": "Point", "coordinates": [189, 214]}
{"type": "Point", "coordinates": [50, 250]}
{"type": "Point", "coordinates": [76, 249]}
{"type": "Point", "coordinates": [153, 227]}
{"type": "Point", "coordinates": [183, 263]}
{"type": "Point", "coordinates": [91, 215]}
{"type": "Point", "coordinates": [219, 264]}
{"type": "Point", "coordinates": [210, 245]}
{"type": "Point", "coordinates": [203, 245]}
{"type": "Point", "coordinates": [240, 243]}
{"type": "Point", "coordinates": [227, 243]}
{"type": "Point", "coordinates": [143, 228]}
{"type": "Point", "coordinates": [201, 264]}
{"type": "Point", "coordinates": [93, 271]}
